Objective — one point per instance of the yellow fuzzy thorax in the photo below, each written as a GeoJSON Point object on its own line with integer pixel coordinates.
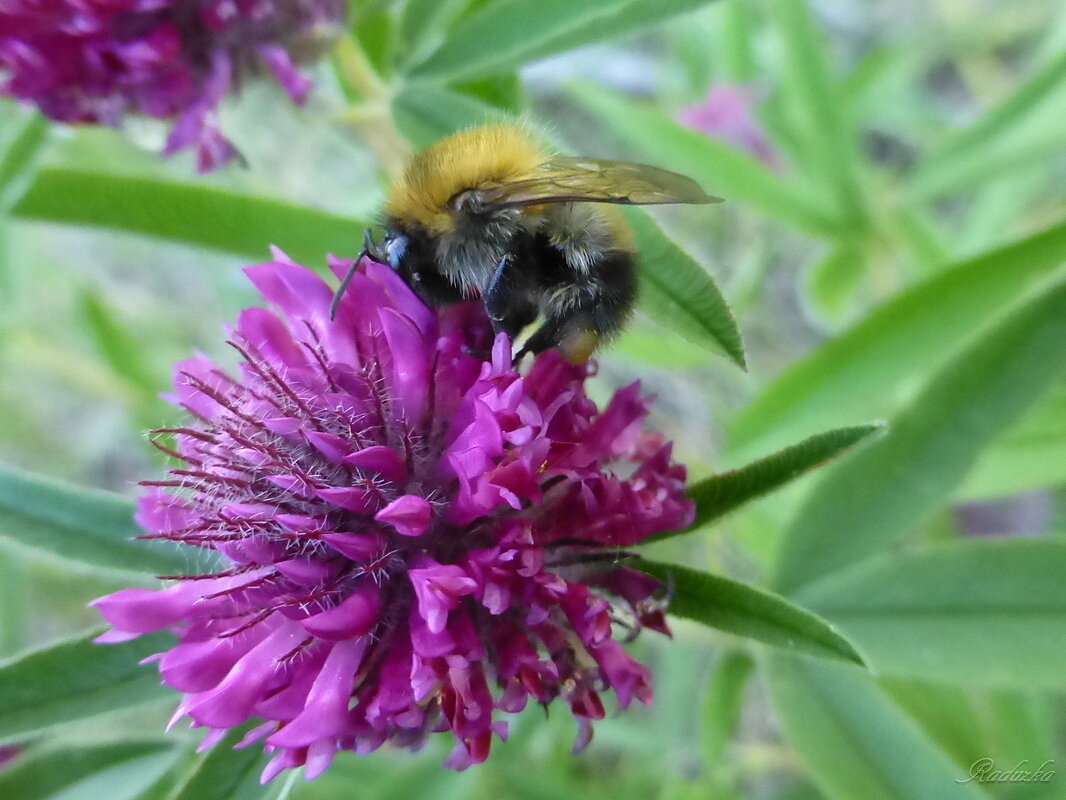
{"type": "Point", "coordinates": [468, 159]}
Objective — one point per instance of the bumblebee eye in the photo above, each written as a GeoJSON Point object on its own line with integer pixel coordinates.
{"type": "Point", "coordinates": [396, 249]}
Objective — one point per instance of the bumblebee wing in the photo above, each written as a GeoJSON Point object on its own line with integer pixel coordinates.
{"type": "Point", "coordinates": [597, 180]}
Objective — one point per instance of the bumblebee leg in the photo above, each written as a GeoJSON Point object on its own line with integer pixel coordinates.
{"type": "Point", "coordinates": [370, 248]}
{"type": "Point", "coordinates": [582, 312]}
{"type": "Point", "coordinates": [506, 299]}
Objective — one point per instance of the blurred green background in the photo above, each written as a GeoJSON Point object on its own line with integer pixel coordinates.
{"type": "Point", "coordinates": [894, 177]}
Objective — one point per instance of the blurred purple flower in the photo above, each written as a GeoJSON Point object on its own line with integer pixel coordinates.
{"type": "Point", "coordinates": [726, 114]}
{"type": "Point", "coordinates": [98, 60]}
{"type": "Point", "coordinates": [413, 534]}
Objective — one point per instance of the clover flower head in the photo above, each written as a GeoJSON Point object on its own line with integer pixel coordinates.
{"type": "Point", "coordinates": [95, 61]}
{"type": "Point", "coordinates": [412, 535]}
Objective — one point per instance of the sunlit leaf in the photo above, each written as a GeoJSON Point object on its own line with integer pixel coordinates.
{"type": "Point", "coordinates": [635, 16]}
{"type": "Point", "coordinates": [719, 494]}
{"type": "Point", "coordinates": [829, 140]}
{"type": "Point", "coordinates": [189, 213]}
{"type": "Point", "coordinates": [1031, 455]}
{"type": "Point", "coordinates": [222, 773]}
{"type": "Point", "coordinates": [502, 35]}
{"type": "Point", "coordinates": [865, 503]}
{"type": "Point", "coordinates": [740, 609]}
{"type": "Point", "coordinates": [88, 526]}
{"type": "Point", "coordinates": [964, 612]}
{"type": "Point", "coordinates": [679, 294]}
{"type": "Point", "coordinates": [19, 156]}
{"type": "Point", "coordinates": [1020, 128]}
{"type": "Point", "coordinates": [723, 704]}
{"type": "Point", "coordinates": [833, 281]}
{"type": "Point", "coordinates": [864, 372]}
{"type": "Point", "coordinates": [853, 738]}
{"type": "Point", "coordinates": [721, 169]}
{"type": "Point", "coordinates": [426, 114]}
{"type": "Point", "coordinates": [74, 679]}
{"type": "Point", "coordinates": [43, 774]}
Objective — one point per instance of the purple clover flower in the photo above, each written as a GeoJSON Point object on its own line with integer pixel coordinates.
{"type": "Point", "coordinates": [726, 114]}
{"type": "Point", "coordinates": [98, 60]}
{"type": "Point", "coordinates": [413, 535]}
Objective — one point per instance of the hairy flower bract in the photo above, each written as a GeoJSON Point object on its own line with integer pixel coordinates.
{"type": "Point", "coordinates": [98, 60]}
{"type": "Point", "coordinates": [412, 535]}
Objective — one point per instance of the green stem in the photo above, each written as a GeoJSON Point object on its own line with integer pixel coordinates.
{"type": "Point", "coordinates": [370, 115]}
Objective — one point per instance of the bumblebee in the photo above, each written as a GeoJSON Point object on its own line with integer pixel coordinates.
{"type": "Point", "coordinates": [488, 213]}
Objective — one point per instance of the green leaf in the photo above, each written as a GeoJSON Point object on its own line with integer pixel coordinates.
{"type": "Point", "coordinates": [87, 526]}
{"type": "Point", "coordinates": [829, 147]}
{"type": "Point", "coordinates": [743, 610]}
{"type": "Point", "coordinates": [854, 740]}
{"type": "Point", "coordinates": [1014, 132]}
{"type": "Point", "coordinates": [864, 372]}
{"type": "Point", "coordinates": [679, 294]}
{"type": "Point", "coordinates": [1031, 455]}
{"type": "Point", "coordinates": [972, 723]}
{"type": "Point", "coordinates": [721, 169]}
{"type": "Point", "coordinates": [723, 703]}
{"type": "Point", "coordinates": [863, 505]}
{"type": "Point", "coordinates": [124, 353]}
{"type": "Point", "coordinates": [420, 21]}
{"type": "Point", "coordinates": [634, 17]}
{"type": "Point", "coordinates": [222, 773]}
{"type": "Point", "coordinates": [74, 679]}
{"type": "Point", "coordinates": [20, 156]}
{"type": "Point", "coordinates": [964, 612]}
{"type": "Point", "coordinates": [193, 214]}
{"type": "Point", "coordinates": [505, 34]}
{"type": "Point", "coordinates": [426, 114]}
{"type": "Point", "coordinates": [722, 493]}
{"type": "Point", "coordinates": [736, 54]}
{"type": "Point", "coordinates": [833, 281]}
{"type": "Point", "coordinates": [42, 774]}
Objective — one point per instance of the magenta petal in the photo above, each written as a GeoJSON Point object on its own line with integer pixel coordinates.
{"type": "Point", "coordinates": [352, 498]}
{"type": "Point", "coordinates": [409, 515]}
{"type": "Point", "coordinates": [326, 712]}
{"type": "Point", "coordinates": [353, 545]}
{"type": "Point", "coordinates": [379, 459]}
{"type": "Point", "coordinates": [356, 615]}
{"type": "Point", "coordinates": [144, 610]}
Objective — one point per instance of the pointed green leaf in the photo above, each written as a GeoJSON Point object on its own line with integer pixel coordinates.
{"type": "Point", "coordinates": [90, 527]}
{"type": "Point", "coordinates": [193, 214]}
{"type": "Point", "coordinates": [504, 34]}
{"type": "Point", "coordinates": [854, 740]}
{"type": "Point", "coordinates": [634, 17]}
{"type": "Point", "coordinates": [1006, 138]}
{"type": "Point", "coordinates": [722, 493]}
{"type": "Point", "coordinates": [1031, 455]}
{"type": "Point", "coordinates": [718, 167]}
{"type": "Point", "coordinates": [864, 504]}
{"type": "Point", "coordinates": [743, 610]}
{"type": "Point", "coordinates": [679, 294]}
{"type": "Point", "coordinates": [426, 114]}
{"type": "Point", "coordinates": [723, 704]}
{"type": "Point", "coordinates": [830, 146]}
{"type": "Point", "coordinates": [42, 774]}
{"type": "Point", "coordinates": [74, 679]}
{"type": "Point", "coordinates": [20, 156]}
{"type": "Point", "coordinates": [965, 612]}
{"type": "Point", "coordinates": [863, 372]}
{"type": "Point", "coordinates": [420, 21]}
{"type": "Point", "coordinates": [223, 773]}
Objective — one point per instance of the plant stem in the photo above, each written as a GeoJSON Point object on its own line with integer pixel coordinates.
{"type": "Point", "coordinates": [370, 115]}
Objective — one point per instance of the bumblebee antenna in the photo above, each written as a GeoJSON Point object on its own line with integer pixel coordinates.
{"type": "Point", "coordinates": [370, 249]}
